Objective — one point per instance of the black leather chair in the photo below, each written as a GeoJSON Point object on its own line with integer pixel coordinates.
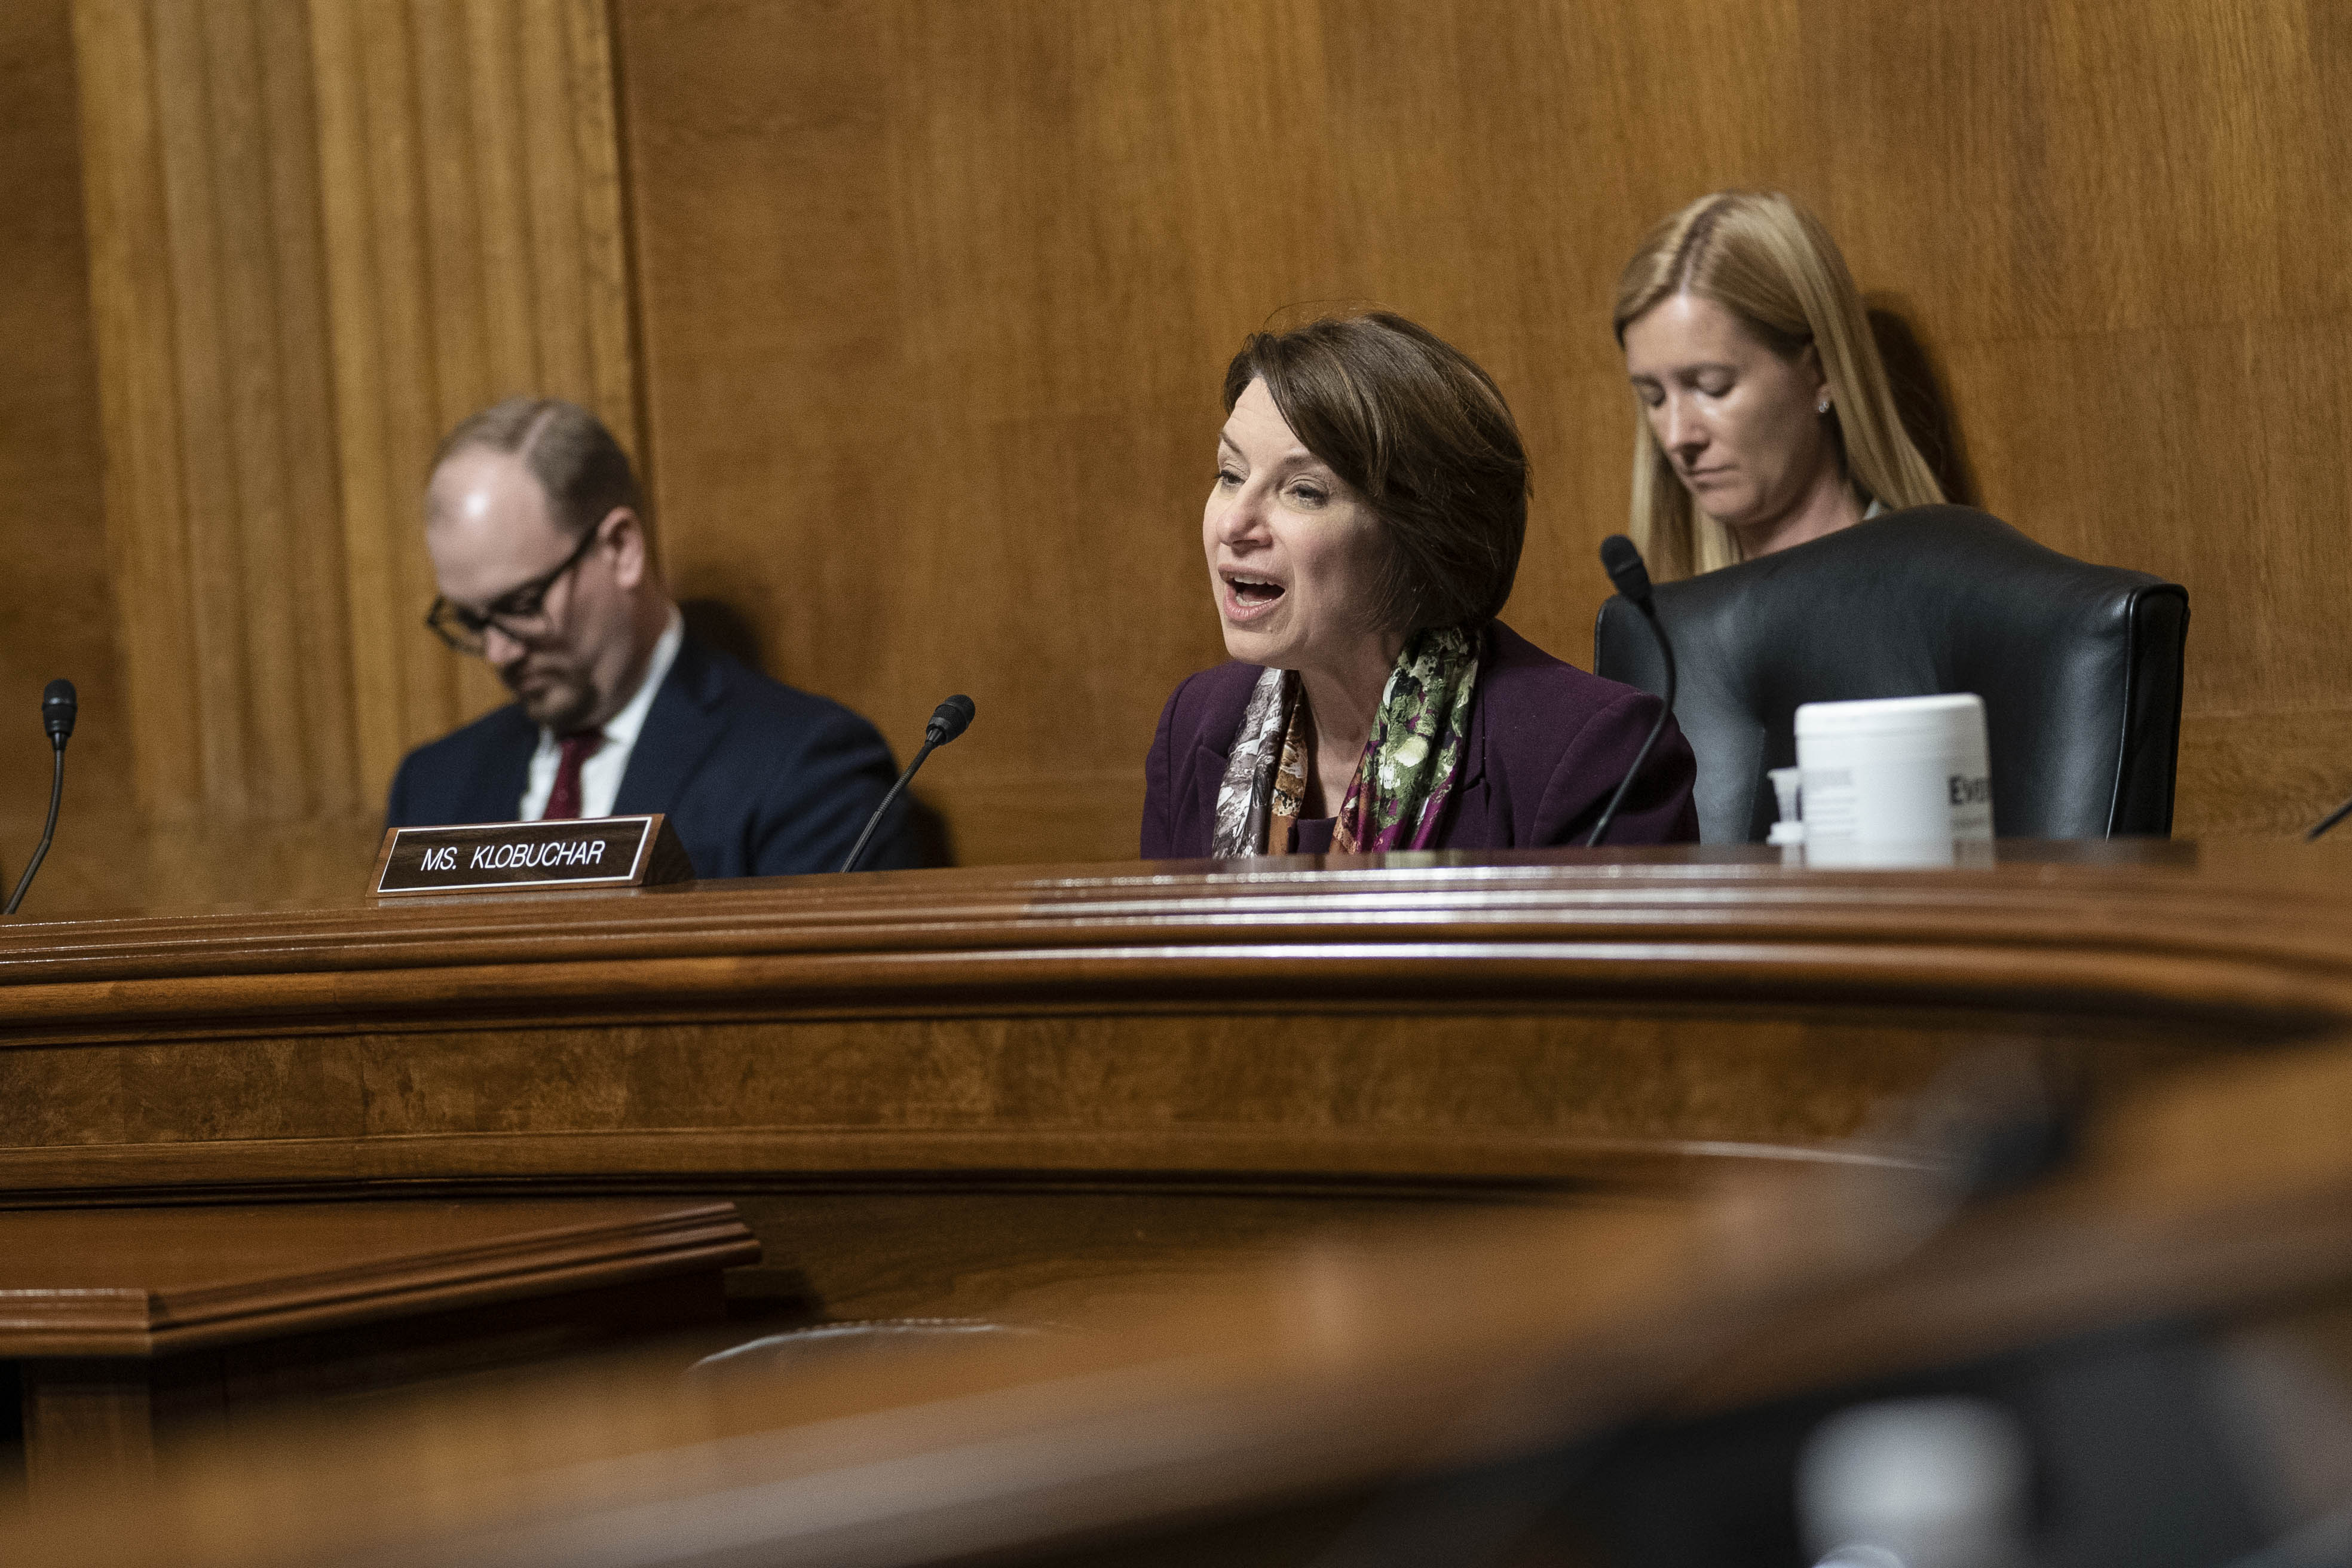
{"type": "Point", "coordinates": [2079, 665]}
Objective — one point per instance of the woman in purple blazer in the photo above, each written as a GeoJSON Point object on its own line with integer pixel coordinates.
{"type": "Point", "coordinates": [1363, 531]}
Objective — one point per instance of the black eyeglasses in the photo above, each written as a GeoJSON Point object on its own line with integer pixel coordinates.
{"type": "Point", "coordinates": [517, 612]}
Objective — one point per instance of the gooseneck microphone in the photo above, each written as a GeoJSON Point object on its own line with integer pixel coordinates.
{"type": "Point", "coordinates": [2330, 820]}
{"type": "Point", "coordinates": [1623, 563]}
{"type": "Point", "coordinates": [948, 720]}
{"type": "Point", "coordinates": [57, 709]}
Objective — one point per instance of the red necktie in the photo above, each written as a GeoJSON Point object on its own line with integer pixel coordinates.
{"type": "Point", "coordinates": [563, 800]}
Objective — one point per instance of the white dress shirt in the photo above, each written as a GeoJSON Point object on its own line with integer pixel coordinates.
{"type": "Point", "coordinates": [600, 776]}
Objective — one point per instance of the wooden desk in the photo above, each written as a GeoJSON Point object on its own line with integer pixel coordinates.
{"type": "Point", "coordinates": [124, 1326]}
{"type": "Point", "coordinates": [1333, 1373]}
{"type": "Point", "coordinates": [1014, 1091]}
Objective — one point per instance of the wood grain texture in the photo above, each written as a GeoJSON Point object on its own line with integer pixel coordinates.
{"type": "Point", "coordinates": [475, 250]}
{"type": "Point", "coordinates": [320, 234]}
{"type": "Point", "coordinates": [1253, 1042]}
{"type": "Point", "coordinates": [933, 302]}
{"type": "Point", "coordinates": [213, 345]}
{"type": "Point", "coordinates": [59, 619]}
{"type": "Point", "coordinates": [85, 1422]}
{"type": "Point", "coordinates": [1301, 1328]}
{"type": "Point", "coordinates": [136, 1283]}
{"type": "Point", "coordinates": [936, 299]}
{"type": "Point", "coordinates": [136, 1333]}
{"type": "Point", "coordinates": [1334, 1369]}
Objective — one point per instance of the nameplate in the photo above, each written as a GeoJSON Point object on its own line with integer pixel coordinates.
{"type": "Point", "coordinates": [521, 857]}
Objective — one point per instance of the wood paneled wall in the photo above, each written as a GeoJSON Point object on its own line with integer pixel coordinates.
{"type": "Point", "coordinates": [320, 234]}
{"type": "Point", "coordinates": [924, 307]}
{"type": "Point", "coordinates": [58, 615]}
{"type": "Point", "coordinates": [936, 299]}
{"type": "Point", "coordinates": [200, 166]}
{"type": "Point", "coordinates": [472, 194]}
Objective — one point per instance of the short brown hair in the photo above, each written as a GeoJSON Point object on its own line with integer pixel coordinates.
{"type": "Point", "coordinates": [1407, 421]}
{"type": "Point", "coordinates": [567, 449]}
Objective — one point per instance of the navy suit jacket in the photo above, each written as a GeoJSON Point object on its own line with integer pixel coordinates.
{"type": "Point", "coordinates": [1548, 744]}
{"type": "Point", "coordinates": [758, 779]}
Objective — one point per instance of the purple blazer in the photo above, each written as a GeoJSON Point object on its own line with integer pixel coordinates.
{"type": "Point", "coordinates": [1548, 744]}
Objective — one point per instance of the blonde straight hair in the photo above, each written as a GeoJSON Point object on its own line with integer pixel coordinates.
{"type": "Point", "coordinates": [1770, 262]}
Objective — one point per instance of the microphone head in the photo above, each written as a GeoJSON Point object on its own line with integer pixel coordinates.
{"type": "Point", "coordinates": [57, 707]}
{"type": "Point", "coordinates": [948, 719]}
{"type": "Point", "coordinates": [1623, 561]}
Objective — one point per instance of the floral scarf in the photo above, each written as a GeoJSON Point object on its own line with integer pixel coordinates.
{"type": "Point", "coordinates": [1398, 795]}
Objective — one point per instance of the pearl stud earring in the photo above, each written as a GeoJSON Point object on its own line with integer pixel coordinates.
{"type": "Point", "coordinates": [1823, 405]}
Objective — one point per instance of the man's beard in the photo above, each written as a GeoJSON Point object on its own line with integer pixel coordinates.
{"type": "Point", "coordinates": [562, 704]}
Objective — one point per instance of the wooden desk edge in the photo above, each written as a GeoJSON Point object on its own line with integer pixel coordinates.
{"type": "Point", "coordinates": [117, 1323]}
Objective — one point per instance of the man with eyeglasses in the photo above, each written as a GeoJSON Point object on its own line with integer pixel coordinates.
{"type": "Point", "coordinates": [537, 531]}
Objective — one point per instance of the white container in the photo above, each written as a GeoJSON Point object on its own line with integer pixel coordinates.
{"type": "Point", "coordinates": [1898, 773]}
{"type": "Point", "coordinates": [1788, 833]}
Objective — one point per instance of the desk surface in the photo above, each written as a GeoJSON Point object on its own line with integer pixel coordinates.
{"type": "Point", "coordinates": [140, 1282]}
{"type": "Point", "coordinates": [2081, 921]}
{"type": "Point", "coordinates": [948, 1089]}
{"type": "Point", "coordinates": [1335, 1370]}
{"type": "Point", "coordinates": [915, 1062]}
{"type": "Point", "coordinates": [914, 1019]}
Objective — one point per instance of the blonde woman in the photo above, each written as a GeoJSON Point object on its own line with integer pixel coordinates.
{"type": "Point", "coordinates": [1766, 418]}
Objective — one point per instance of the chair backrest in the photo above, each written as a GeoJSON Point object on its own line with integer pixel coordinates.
{"type": "Point", "coordinates": [2079, 665]}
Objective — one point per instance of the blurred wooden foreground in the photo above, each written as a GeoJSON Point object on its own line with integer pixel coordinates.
{"type": "Point", "coordinates": [1171, 1119]}
{"type": "Point", "coordinates": [1287, 1412]}
{"type": "Point", "coordinates": [979, 1091]}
